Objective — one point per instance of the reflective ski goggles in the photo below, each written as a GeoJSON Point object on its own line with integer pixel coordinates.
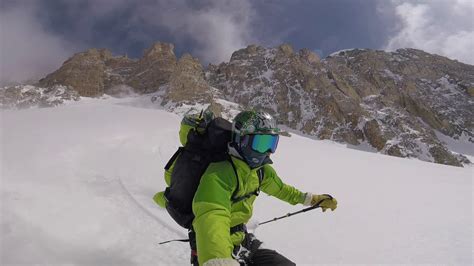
{"type": "Point", "coordinates": [262, 143]}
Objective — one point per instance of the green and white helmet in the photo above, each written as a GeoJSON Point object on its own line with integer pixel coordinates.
{"type": "Point", "coordinates": [254, 122]}
{"type": "Point", "coordinates": [254, 137]}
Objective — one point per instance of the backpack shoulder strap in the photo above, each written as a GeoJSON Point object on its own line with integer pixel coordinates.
{"type": "Point", "coordinates": [173, 158]}
{"type": "Point", "coordinates": [234, 194]}
{"type": "Point", "coordinates": [260, 174]}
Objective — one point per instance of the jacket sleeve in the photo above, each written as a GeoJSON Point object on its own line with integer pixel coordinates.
{"type": "Point", "coordinates": [212, 210]}
{"type": "Point", "coordinates": [274, 186]}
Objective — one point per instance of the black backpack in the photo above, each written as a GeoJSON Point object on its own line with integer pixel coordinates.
{"type": "Point", "coordinates": [192, 161]}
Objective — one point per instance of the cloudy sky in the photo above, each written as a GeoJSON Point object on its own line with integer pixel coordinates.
{"type": "Point", "coordinates": [38, 35]}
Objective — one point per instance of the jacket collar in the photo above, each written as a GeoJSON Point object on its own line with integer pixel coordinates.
{"type": "Point", "coordinates": [242, 166]}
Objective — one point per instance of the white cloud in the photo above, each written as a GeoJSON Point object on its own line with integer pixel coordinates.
{"type": "Point", "coordinates": [217, 27]}
{"type": "Point", "coordinates": [27, 51]}
{"type": "Point", "coordinates": [441, 27]}
{"type": "Point", "coordinates": [219, 32]}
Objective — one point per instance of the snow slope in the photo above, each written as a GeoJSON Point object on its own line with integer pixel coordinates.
{"type": "Point", "coordinates": [77, 182]}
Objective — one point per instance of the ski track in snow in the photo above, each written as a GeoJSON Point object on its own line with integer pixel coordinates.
{"type": "Point", "coordinates": [149, 213]}
{"type": "Point", "coordinates": [141, 206]}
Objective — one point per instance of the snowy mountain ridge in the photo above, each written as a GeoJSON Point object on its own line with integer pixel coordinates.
{"type": "Point", "coordinates": [400, 103]}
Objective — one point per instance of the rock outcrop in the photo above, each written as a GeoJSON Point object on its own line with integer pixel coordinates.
{"type": "Point", "coordinates": [95, 72]}
{"type": "Point", "coordinates": [85, 72]}
{"type": "Point", "coordinates": [187, 83]}
{"type": "Point", "coordinates": [154, 69]}
{"type": "Point", "coordinates": [396, 102]}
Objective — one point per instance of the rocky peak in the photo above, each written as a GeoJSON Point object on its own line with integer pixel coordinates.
{"type": "Point", "coordinates": [187, 83]}
{"type": "Point", "coordinates": [190, 64]}
{"type": "Point", "coordinates": [96, 71]}
{"type": "Point", "coordinates": [309, 56]}
{"type": "Point", "coordinates": [286, 49]}
{"type": "Point", "coordinates": [154, 69]}
{"type": "Point", "coordinates": [160, 50]}
{"type": "Point", "coordinates": [92, 54]}
{"type": "Point", "coordinates": [246, 53]}
{"type": "Point", "coordinates": [85, 72]}
{"type": "Point", "coordinates": [104, 54]}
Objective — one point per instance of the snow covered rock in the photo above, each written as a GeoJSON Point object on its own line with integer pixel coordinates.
{"type": "Point", "coordinates": [395, 102]}
{"type": "Point", "coordinates": [27, 96]}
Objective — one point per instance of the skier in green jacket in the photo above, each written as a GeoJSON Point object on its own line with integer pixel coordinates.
{"type": "Point", "coordinates": [219, 234]}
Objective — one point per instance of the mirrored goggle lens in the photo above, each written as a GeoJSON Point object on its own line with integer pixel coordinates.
{"type": "Point", "coordinates": [264, 143]}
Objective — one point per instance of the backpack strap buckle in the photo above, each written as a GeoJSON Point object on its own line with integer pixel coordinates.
{"type": "Point", "coordinates": [238, 228]}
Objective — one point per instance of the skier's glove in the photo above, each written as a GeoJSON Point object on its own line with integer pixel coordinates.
{"type": "Point", "coordinates": [325, 201]}
{"type": "Point", "coordinates": [221, 262]}
{"type": "Point", "coordinates": [160, 199]}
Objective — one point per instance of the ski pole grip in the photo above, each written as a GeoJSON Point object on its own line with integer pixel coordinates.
{"type": "Point", "coordinates": [317, 204]}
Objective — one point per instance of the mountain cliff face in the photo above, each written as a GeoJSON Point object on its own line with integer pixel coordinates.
{"type": "Point", "coordinates": [398, 103]}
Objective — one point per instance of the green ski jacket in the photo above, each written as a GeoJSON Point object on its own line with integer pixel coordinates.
{"type": "Point", "coordinates": [215, 212]}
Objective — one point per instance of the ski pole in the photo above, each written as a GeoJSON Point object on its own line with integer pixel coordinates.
{"type": "Point", "coordinates": [174, 240]}
{"type": "Point", "coordinates": [315, 206]}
